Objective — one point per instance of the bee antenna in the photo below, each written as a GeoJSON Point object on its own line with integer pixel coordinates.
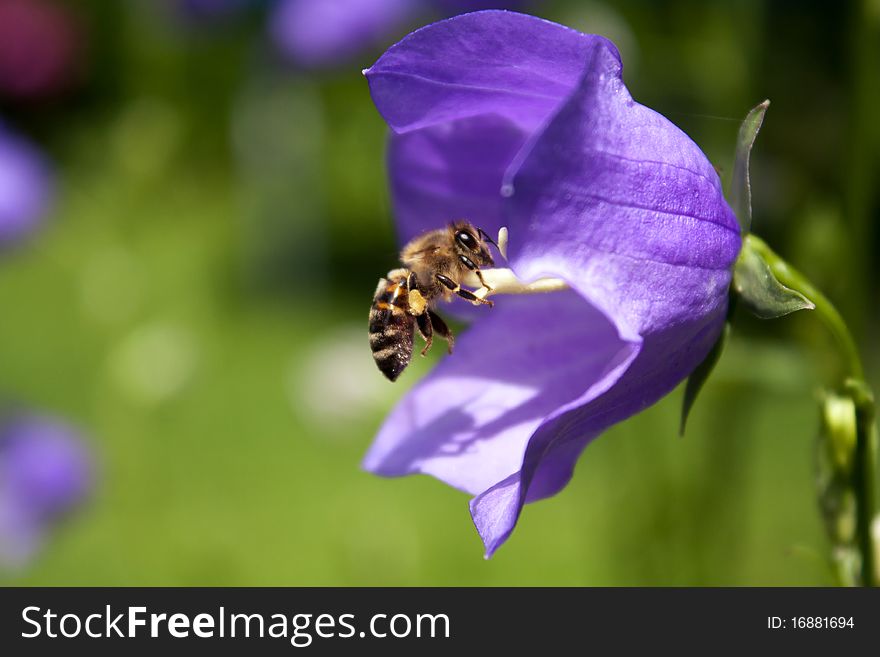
{"type": "Point", "coordinates": [484, 236]}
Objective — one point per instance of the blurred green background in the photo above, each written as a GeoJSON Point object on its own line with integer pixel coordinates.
{"type": "Point", "coordinates": [196, 303]}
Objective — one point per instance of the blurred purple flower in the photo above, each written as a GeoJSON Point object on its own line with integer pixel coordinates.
{"type": "Point", "coordinates": [321, 33]}
{"type": "Point", "coordinates": [506, 119]}
{"type": "Point", "coordinates": [40, 48]}
{"type": "Point", "coordinates": [317, 33]}
{"type": "Point", "coordinates": [45, 471]}
{"type": "Point", "coordinates": [25, 186]}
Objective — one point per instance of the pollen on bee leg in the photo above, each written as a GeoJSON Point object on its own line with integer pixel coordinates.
{"type": "Point", "coordinates": [417, 303]}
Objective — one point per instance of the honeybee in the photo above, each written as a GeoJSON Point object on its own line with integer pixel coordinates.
{"type": "Point", "coordinates": [434, 264]}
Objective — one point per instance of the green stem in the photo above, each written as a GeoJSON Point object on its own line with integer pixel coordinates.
{"type": "Point", "coordinates": [864, 480]}
{"type": "Point", "coordinates": [861, 161]}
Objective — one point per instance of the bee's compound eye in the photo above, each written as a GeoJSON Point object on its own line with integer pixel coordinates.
{"type": "Point", "coordinates": [466, 239]}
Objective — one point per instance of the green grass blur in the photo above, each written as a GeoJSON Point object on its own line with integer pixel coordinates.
{"type": "Point", "coordinates": [197, 305]}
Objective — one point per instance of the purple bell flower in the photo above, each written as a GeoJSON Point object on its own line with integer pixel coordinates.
{"type": "Point", "coordinates": [45, 471]}
{"type": "Point", "coordinates": [25, 187]}
{"type": "Point", "coordinates": [509, 120]}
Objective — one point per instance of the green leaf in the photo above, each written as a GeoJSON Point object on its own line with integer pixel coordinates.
{"type": "Point", "coordinates": [699, 376]}
{"type": "Point", "coordinates": [740, 187]}
{"type": "Point", "coordinates": [759, 290]}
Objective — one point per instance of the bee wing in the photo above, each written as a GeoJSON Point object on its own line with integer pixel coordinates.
{"type": "Point", "coordinates": [383, 283]}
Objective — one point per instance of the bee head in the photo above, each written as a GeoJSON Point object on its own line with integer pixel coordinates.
{"type": "Point", "coordinates": [473, 243]}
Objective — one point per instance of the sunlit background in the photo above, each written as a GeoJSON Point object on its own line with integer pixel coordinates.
{"type": "Point", "coordinates": [193, 217]}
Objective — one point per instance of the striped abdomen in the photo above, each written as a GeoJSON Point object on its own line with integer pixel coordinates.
{"type": "Point", "coordinates": [391, 327]}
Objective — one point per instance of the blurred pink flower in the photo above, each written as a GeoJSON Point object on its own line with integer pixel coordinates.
{"type": "Point", "coordinates": [40, 48]}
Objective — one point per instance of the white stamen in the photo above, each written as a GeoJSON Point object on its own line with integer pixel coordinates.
{"type": "Point", "coordinates": [501, 280]}
{"type": "Point", "coordinates": [504, 281]}
{"type": "Point", "coordinates": [502, 241]}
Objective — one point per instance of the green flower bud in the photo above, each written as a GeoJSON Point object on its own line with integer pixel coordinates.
{"type": "Point", "coordinates": [839, 430]}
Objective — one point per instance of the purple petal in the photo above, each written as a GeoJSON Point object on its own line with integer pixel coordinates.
{"type": "Point", "coordinates": [318, 33]}
{"type": "Point", "coordinates": [451, 171]}
{"type": "Point", "coordinates": [461, 67]}
{"type": "Point", "coordinates": [469, 421]}
{"type": "Point", "coordinates": [618, 201]}
{"type": "Point", "coordinates": [25, 187]}
{"type": "Point", "coordinates": [553, 449]}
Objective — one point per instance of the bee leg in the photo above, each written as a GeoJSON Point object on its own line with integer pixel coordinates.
{"type": "Point", "coordinates": [415, 299]}
{"type": "Point", "coordinates": [464, 294]}
{"type": "Point", "coordinates": [426, 329]}
{"type": "Point", "coordinates": [482, 282]}
{"type": "Point", "coordinates": [467, 262]}
{"type": "Point", "coordinates": [442, 330]}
